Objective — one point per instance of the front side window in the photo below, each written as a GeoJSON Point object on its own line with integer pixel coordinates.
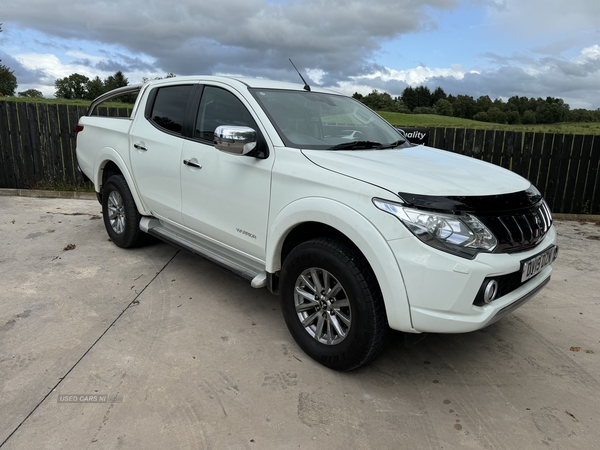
{"type": "Point", "coordinates": [220, 107]}
{"type": "Point", "coordinates": [168, 110]}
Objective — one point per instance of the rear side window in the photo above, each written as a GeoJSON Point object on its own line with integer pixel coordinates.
{"type": "Point", "coordinates": [169, 106]}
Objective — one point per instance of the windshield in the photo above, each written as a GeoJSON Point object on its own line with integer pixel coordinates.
{"type": "Point", "coordinates": [313, 120]}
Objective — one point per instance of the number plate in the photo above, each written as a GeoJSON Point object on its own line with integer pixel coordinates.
{"type": "Point", "coordinates": [532, 266]}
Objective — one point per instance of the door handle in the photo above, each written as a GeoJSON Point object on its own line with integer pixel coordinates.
{"type": "Point", "coordinates": [140, 147]}
{"type": "Point", "coordinates": [187, 162]}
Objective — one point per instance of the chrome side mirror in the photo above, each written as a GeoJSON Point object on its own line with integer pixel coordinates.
{"type": "Point", "coordinates": [235, 139]}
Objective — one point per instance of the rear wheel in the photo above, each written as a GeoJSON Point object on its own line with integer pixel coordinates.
{"type": "Point", "coordinates": [332, 304]}
{"type": "Point", "coordinates": [121, 217]}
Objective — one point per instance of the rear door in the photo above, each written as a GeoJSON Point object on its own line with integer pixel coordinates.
{"type": "Point", "coordinates": [227, 198]}
{"type": "Point", "coordinates": [157, 140]}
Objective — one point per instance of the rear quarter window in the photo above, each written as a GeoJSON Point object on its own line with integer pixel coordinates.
{"type": "Point", "coordinates": [118, 106]}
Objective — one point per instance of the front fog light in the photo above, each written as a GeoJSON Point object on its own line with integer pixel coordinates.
{"type": "Point", "coordinates": [490, 291]}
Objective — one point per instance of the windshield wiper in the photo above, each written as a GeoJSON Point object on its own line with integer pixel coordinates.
{"type": "Point", "coordinates": [392, 144]}
{"type": "Point", "coordinates": [356, 145]}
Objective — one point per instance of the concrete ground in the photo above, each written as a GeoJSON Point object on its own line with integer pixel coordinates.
{"type": "Point", "coordinates": [195, 359]}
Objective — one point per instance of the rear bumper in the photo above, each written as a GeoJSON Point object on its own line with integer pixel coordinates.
{"type": "Point", "coordinates": [80, 170]}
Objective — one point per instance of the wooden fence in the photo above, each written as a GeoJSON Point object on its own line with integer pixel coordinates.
{"type": "Point", "coordinates": [563, 167]}
{"type": "Point", "coordinates": [37, 145]}
{"type": "Point", "coordinates": [37, 149]}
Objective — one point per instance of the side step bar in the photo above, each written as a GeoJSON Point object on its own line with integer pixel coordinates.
{"type": "Point", "coordinates": [245, 268]}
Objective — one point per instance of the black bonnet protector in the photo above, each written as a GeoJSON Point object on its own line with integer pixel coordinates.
{"type": "Point", "coordinates": [519, 220]}
{"type": "Point", "coordinates": [486, 205]}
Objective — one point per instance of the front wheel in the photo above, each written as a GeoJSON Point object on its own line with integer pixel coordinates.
{"type": "Point", "coordinates": [332, 304]}
{"type": "Point", "coordinates": [121, 216]}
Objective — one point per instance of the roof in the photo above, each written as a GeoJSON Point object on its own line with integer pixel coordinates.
{"type": "Point", "coordinates": [260, 83]}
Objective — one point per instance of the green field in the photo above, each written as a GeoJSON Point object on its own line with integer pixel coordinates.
{"type": "Point", "coordinates": [46, 100]}
{"type": "Point", "coordinates": [430, 120]}
{"type": "Point", "coordinates": [54, 101]}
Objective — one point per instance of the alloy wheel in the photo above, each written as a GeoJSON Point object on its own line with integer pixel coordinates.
{"type": "Point", "coordinates": [322, 306]}
{"type": "Point", "coordinates": [116, 212]}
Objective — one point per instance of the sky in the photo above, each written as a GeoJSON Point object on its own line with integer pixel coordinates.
{"type": "Point", "coordinates": [500, 48]}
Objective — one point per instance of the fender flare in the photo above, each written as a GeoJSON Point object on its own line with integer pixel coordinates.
{"type": "Point", "coordinates": [362, 233]}
{"type": "Point", "coordinates": [109, 154]}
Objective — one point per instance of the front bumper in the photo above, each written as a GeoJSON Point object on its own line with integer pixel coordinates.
{"type": "Point", "coordinates": [442, 288]}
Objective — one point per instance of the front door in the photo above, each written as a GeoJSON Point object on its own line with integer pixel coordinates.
{"type": "Point", "coordinates": [227, 198]}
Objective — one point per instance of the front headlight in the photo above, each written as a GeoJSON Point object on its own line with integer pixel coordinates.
{"type": "Point", "coordinates": [463, 235]}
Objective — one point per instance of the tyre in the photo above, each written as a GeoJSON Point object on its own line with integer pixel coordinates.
{"type": "Point", "coordinates": [121, 216]}
{"type": "Point", "coordinates": [332, 304]}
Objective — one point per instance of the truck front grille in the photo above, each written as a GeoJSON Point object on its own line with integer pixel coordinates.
{"type": "Point", "coordinates": [520, 230]}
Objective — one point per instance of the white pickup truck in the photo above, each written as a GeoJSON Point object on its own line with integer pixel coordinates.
{"type": "Point", "coordinates": [311, 194]}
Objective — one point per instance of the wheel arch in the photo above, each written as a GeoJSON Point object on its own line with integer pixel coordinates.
{"type": "Point", "coordinates": [311, 230]}
{"type": "Point", "coordinates": [109, 163]}
{"type": "Point", "coordinates": [310, 218]}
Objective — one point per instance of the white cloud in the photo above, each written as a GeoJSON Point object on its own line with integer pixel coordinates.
{"type": "Point", "coordinates": [49, 68]}
{"type": "Point", "coordinates": [418, 75]}
{"type": "Point", "coordinates": [589, 53]}
{"type": "Point", "coordinates": [316, 75]}
{"type": "Point", "coordinates": [50, 65]}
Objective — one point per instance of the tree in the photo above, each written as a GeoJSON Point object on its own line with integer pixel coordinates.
{"type": "Point", "coordinates": [520, 104]}
{"type": "Point", "coordinates": [423, 96]}
{"type": "Point", "coordinates": [95, 88]}
{"type": "Point", "coordinates": [484, 103]}
{"type": "Point", "coordinates": [528, 118]}
{"type": "Point", "coordinates": [31, 93]}
{"type": "Point", "coordinates": [400, 107]}
{"type": "Point", "coordinates": [582, 115]}
{"type": "Point", "coordinates": [496, 115]}
{"type": "Point", "coordinates": [373, 100]}
{"type": "Point", "coordinates": [409, 98]}
{"type": "Point", "coordinates": [115, 81]}
{"type": "Point", "coordinates": [464, 106]}
{"type": "Point", "coordinates": [8, 81]}
{"type": "Point", "coordinates": [481, 116]}
{"type": "Point", "coordinates": [381, 101]}
{"type": "Point", "coordinates": [514, 118]}
{"type": "Point", "coordinates": [72, 87]}
{"type": "Point", "coordinates": [444, 108]}
{"type": "Point", "coordinates": [552, 110]}
{"type": "Point", "coordinates": [169, 75]}
{"type": "Point", "coordinates": [438, 95]}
